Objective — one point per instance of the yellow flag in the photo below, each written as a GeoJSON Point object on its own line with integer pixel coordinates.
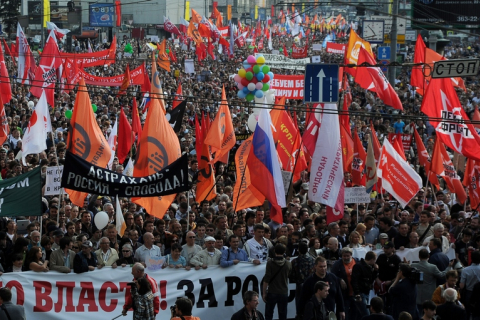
{"type": "Point", "coordinates": [46, 12]}
{"type": "Point", "coordinates": [187, 10]}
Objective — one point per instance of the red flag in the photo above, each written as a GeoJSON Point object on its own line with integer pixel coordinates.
{"type": "Point", "coordinates": [476, 117]}
{"type": "Point", "coordinates": [471, 180]}
{"type": "Point", "coordinates": [136, 124]}
{"type": "Point", "coordinates": [398, 178]}
{"type": "Point", "coordinates": [311, 132]}
{"type": "Point", "coordinates": [46, 73]}
{"type": "Point", "coordinates": [437, 159]}
{"type": "Point", "coordinates": [172, 55]}
{"type": "Point", "coordinates": [5, 88]}
{"type": "Point", "coordinates": [347, 149]}
{"type": "Point", "coordinates": [126, 82]}
{"type": "Point", "coordinates": [441, 102]}
{"type": "Point", "coordinates": [4, 127]}
{"type": "Point", "coordinates": [450, 174]}
{"type": "Point", "coordinates": [124, 137]}
{"type": "Point", "coordinates": [206, 177]}
{"type": "Point", "coordinates": [177, 99]}
{"type": "Point", "coordinates": [359, 159]}
{"type": "Point", "coordinates": [285, 52]}
{"type": "Point", "coordinates": [347, 101]}
{"type": "Point", "coordinates": [373, 79]}
{"type": "Point", "coordinates": [210, 49]}
{"type": "Point", "coordinates": [333, 214]}
{"type": "Point", "coordinates": [423, 156]}
{"type": "Point", "coordinates": [198, 138]}
{"type": "Point", "coordinates": [146, 86]}
{"type": "Point", "coordinates": [170, 27]}
{"type": "Point", "coordinates": [417, 79]}
{"type": "Point", "coordinates": [398, 145]}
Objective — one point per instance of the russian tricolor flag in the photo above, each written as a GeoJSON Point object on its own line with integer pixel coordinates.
{"type": "Point", "coordinates": [265, 173]}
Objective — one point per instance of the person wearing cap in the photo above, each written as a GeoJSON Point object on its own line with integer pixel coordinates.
{"type": "Point", "coordinates": [210, 256]}
{"type": "Point", "coordinates": [382, 238]}
{"type": "Point", "coordinates": [388, 263]}
{"type": "Point", "coordinates": [343, 270]}
{"type": "Point", "coordinates": [303, 194]}
{"type": "Point", "coordinates": [85, 260]}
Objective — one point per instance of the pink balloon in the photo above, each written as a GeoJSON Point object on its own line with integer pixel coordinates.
{"type": "Point", "coordinates": [240, 86]}
{"type": "Point", "coordinates": [237, 78]}
{"type": "Point", "coordinates": [251, 60]}
{"type": "Point", "coordinates": [259, 86]}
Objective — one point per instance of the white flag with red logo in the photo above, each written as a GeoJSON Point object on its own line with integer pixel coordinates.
{"type": "Point", "coordinates": [59, 33]}
{"type": "Point", "coordinates": [326, 174]}
{"type": "Point", "coordinates": [398, 178]}
{"type": "Point", "coordinates": [441, 102]}
{"type": "Point", "coordinates": [112, 142]}
{"type": "Point", "coordinates": [48, 68]}
{"type": "Point", "coordinates": [35, 137]}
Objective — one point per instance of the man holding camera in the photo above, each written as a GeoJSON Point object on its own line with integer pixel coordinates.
{"type": "Point", "coordinates": [403, 292]}
{"type": "Point", "coordinates": [182, 310]}
{"type": "Point", "coordinates": [138, 271]}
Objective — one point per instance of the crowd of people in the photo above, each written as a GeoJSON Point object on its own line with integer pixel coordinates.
{"type": "Point", "coordinates": [318, 258]}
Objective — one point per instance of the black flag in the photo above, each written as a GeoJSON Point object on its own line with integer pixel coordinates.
{"type": "Point", "coordinates": [176, 116]}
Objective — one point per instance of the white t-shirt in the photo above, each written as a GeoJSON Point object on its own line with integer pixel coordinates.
{"type": "Point", "coordinates": [258, 251]}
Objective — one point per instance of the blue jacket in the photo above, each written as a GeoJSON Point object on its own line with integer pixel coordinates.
{"type": "Point", "coordinates": [81, 263]}
{"type": "Point", "coordinates": [226, 260]}
{"type": "Point", "coordinates": [440, 259]}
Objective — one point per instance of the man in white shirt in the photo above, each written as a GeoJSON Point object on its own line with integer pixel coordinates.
{"type": "Point", "coordinates": [190, 249]}
{"type": "Point", "coordinates": [148, 250]}
{"type": "Point", "coordinates": [106, 256]}
{"type": "Point", "coordinates": [257, 247]}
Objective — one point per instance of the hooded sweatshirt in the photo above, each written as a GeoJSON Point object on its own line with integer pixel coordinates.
{"type": "Point", "coordinates": [276, 275]}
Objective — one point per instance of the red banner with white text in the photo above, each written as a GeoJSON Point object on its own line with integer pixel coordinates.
{"type": "Point", "coordinates": [338, 48]}
{"type": "Point", "coordinates": [406, 140]}
{"type": "Point", "coordinates": [98, 58]}
{"type": "Point", "coordinates": [299, 53]}
{"type": "Point", "coordinates": [136, 75]}
{"type": "Point", "coordinates": [290, 87]}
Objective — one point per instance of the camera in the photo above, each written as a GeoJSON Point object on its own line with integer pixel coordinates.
{"type": "Point", "coordinates": [172, 308]}
{"type": "Point", "coordinates": [416, 276]}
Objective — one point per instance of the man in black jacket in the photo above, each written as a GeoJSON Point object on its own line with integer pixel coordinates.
{"type": "Point", "coordinates": [364, 274]}
{"type": "Point", "coordinates": [334, 300]}
{"type": "Point", "coordinates": [315, 308]}
{"type": "Point", "coordinates": [249, 311]}
{"type": "Point", "coordinates": [7, 307]}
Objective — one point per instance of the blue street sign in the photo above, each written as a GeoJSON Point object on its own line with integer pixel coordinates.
{"type": "Point", "coordinates": [321, 83]}
{"type": "Point", "coordinates": [384, 62]}
{"type": "Point", "coordinates": [384, 53]}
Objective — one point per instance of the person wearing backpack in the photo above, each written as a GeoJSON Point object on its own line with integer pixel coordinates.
{"type": "Point", "coordinates": [302, 267]}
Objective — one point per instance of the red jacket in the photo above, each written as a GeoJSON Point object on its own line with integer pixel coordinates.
{"type": "Point", "coordinates": [156, 300]}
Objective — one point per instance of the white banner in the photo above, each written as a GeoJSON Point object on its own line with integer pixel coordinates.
{"type": "Point", "coordinates": [189, 66]}
{"type": "Point", "coordinates": [356, 195]}
{"type": "Point", "coordinates": [53, 181]}
{"type": "Point", "coordinates": [282, 62]}
{"type": "Point", "coordinates": [100, 294]}
{"type": "Point", "coordinates": [410, 255]}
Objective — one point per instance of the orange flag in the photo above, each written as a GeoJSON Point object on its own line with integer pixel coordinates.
{"type": "Point", "coordinates": [347, 149]}
{"type": "Point", "coordinates": [450, 175]}
{"type": "Point", "coordinates": [423, 158]}
{"type": "Point", "coordinates": [245, 195]}
{"type": "Point", "coordinates": [193, 33]}
{"type": "Point", "coordinates": [163, 60]}
{"type": "Point", "coordinates": [195, 17]}
{"type": "Point", "coordinates": [221, 136]}
{"type": "Point", "coordinates": [218, 16]}
{"type": "Point", "coordinates": [206, 177]}
{"type": "Point", "coordinates": [158, 148]}
{"type": "Point", "coordinates": [177, 99]}
{"type": "Point", "coordinates": [86, 139]}
{"type": "Point", "coordinates": [354, 45]}
{"type": "Point", "coordinates": [358, 163]}
{"type": "Point", "coordinates": [284, 138]}
{"type": "Point", "coordinates": [156, 91]}
{"type": "Point", "coordinates": [471, 181]}
{"type": "Point", "coordinates": [437, 159]}
{"type": "Point", "coordinates": [125, 83]}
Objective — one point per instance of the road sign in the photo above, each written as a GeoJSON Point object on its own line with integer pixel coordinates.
{"type": "Point", "coordinates": [385, 63]}
{"type": "Point", "coordinates": [384, 53]}
{"type": "Point", "coordinates": [456, 68]}
{"type": "Point", "coordinates": [321, 83]}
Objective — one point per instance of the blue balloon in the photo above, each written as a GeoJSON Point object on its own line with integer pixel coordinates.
{"type": "Point", "coordinates": [245, 90]}
{"type": "Point", "coordinates": [259, 94]}
{"type": "Point", "coordinates": [260, 76]}
{"type": "Point", "coordinates": [241, 94]}
{"type": "Point", "coordinates": [259, 55]}
{"type": "Point", "coordinates": [270, 74]}
{"type": "Point", "coordinates": [246, 65]}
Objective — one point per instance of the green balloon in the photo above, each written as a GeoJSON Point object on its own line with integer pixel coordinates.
{"type": "Point", "coordinates": [281, 50]}
{"type": "Point", "coordinates": [68, 114]}
{"type": "Point", "coordinates": [265, 87]}
{"type": "Point", "coordinates": [265, 69]}
{"type": "Point", "coordinates": [256, 69]}
{"type": "Point", "coordinates": [249, 97]}
{"type": "Point", "coordinates": [249, 76]}
{"type": "Point", "coordinates": [94, 107]}
{"type": "Point", "coordinates": [168, 50]}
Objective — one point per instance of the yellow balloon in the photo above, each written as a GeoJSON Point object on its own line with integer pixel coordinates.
{"type": "Point", "coordinates": [242, 73]}
{"type": "Point", "coordinates": [260, 60]}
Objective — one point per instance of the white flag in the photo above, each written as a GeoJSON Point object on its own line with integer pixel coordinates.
{"type": "Point", "coordinates": [326, 177]}
{"type": "Point", "coordinates": [112, 142]}
{"type": "Point", "coordinates": [35, 137]}
{"type": "Point", "coordinates": [119, 221]}
{"type": "Point", "coordinates": [128, 171]}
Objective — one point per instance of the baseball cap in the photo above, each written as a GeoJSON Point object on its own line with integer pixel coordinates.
{"type": "Point", "coordinates": [440, 203]}
{"type": "Point", "coordinates": [209, 239]}
{"type": "Point", "coordinates": [305, 186]}
{"type": "Point", "coordinates": [388, 245]}
{"type": "Point", "coordinates": [87, 244]}
{"type": "Point", "coordinates": [58, 233]}
{"type": "Point", "coordinates": [383, 236]}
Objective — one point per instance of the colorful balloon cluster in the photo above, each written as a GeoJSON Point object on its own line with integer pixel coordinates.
{"type": "Point", "coordinates": [252, 80]}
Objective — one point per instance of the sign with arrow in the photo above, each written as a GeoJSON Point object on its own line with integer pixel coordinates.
{"type": "Point", "coordinates": [321, 83]}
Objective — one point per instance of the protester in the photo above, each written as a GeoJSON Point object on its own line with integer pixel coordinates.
{"type": "Point", "coordinates": [315, 307]}
{"type": "Point", "coordinates": [7, 309]}
{"type": "Point", "coordinates": [138, 272]}
{"type": "Point", "coordinates": [62, 260]}
{"type": "Point", "coordinates": [249, 311]}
